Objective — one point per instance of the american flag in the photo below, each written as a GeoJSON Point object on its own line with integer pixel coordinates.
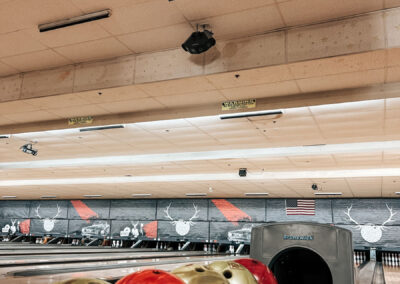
{"type": "Point", "coordinates": [300, 207]}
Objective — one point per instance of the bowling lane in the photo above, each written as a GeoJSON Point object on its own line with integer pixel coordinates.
{"type": "Point", "coordinates": [108, 270]}
{"type": "Point", "coordinates": [9, 261]}
{"type": "Point", "coordinates": [68, 250]}
{"type": "Point", "coordinates": [392, 274]}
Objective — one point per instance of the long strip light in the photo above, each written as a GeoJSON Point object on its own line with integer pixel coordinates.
{"type": "Point", "coordinates": [327, 174]}
{"type": "Point", "coordinates": [209, 155]}
{"type": "Point", "coordinates": [327, 193]}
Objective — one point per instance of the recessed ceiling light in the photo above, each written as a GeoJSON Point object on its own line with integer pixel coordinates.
{"type": "Point", "coordinates": [9, 196]}
{"type": "Point", "coordinates": [48, 196]}
{"type": "Point", "coordinates": [328, 193]}
{"type": "Point", "coordinates": [196, 194]}
{"type": "Point", "coordinates": [141, 194]}
{"type": "Point", "coordinates": [93, 195]}
{"type": "Point", "coordinates": [256, 193]}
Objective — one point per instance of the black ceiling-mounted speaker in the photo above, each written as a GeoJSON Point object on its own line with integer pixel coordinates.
{"type": "Point", "coordinates": [242, 172]}
{"type": "Point", "coordinates": [199, 42]}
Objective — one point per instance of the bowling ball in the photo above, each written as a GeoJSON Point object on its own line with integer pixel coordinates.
{"type": "Point", "coordinates": [199, 274]}
{"type": "Point", "coordinates": [259, 270]}
{"type": "Point", "coordinates": [234, 272]}
{"type": "Point", "coordinates": [83, 281]}
{"type": "Point", "coordinates": [150, 276]}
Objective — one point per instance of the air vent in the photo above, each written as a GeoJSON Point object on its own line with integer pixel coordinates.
{"type": "Point", "coordinates": [141, 194]}
{"type": "Point", "coordinates": [92, 195]}
{"type": "Point", "coordinates": [328, 193]}
{"type": "Point", "coordinates": [74, 21]}
{"type": "Point", "coordinates": [101, 128]}
{"type": "Point", "coordinates": [196, 194]}
{"type": "Point", "coordinates": [250, 114]}
{"type": "Point", "coordinates": [256, 193]}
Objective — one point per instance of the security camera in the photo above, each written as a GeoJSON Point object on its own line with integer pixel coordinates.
{"type": "Point", "coordinates": [314, 186]}
{"type": "Point", "coordinates": [27, 148]}
{"type": "Point", "coordinates": [242, 172]}
{"type": "Point", "coordinates": [199, 42]}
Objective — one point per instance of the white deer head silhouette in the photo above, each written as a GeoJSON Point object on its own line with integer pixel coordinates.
{"type": "Point", "coordinates": [370, 232]}
{"type": "Point", "coordinates": [182, 227]}
{"type": "Point", "coordinates": [48, 223]}
{"type": "Point", "coordinates": [13, 228]}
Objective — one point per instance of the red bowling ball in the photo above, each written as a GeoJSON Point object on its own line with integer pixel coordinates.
{"type": "Point", "coordinates": [260, 271]}
{"type": "Point", "coordinates": [150, 276]}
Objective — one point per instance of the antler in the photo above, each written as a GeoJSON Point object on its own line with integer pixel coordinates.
{"type": "Point", "coordinates": [13, 221]}
{"type": "Point", "coordinates": [134, 224]}
{"type": "Point", "coordinates": [37, 212]}
{"type": "Point", "coordinates": [391, 215]}
{"type": "Point", "coordinates": [195, 213]}
{"type": "Point", "coordinates": [58, 212]}
{"type": "Point", "coordinates": [167, 212]}
{"type": "Point", "coordinates": [348, 214]}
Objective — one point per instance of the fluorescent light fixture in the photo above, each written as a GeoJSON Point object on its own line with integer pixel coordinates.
{"type": "Point", "coordinates": [4, 136]}
{"type": "Point", "coordinates": [92, 195]}
{"type": "Point", "coordinates": [48, 196]}
{"type": "Point", "coordinates": [9, 196]}
{"type": "Point", "coordinates": [75, 20]}
{"type": "Point", "coordinates": [141, 194]}
{"type": "Point", "coordinates": [398, 192]}
{"type": "Point", "coordinates": [328, 193]}
{"type": "Point", "coordinates": [326, 174]}
{"type": "Point", "coordinates": [348, 148]}
{"type": "Point", "coordinates": [256, 193]}
{"type": "Point", "coordinates": [196, 194]}
{"type": "Point", "coordinates": [86, 129]}
{"type": "Point", "coordinates": [250, 114]}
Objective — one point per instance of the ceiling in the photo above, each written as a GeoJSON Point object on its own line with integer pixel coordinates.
{"type": "Point", "coordinates": [365, 121]}
{"type": "Point", "coordinates": [138, 26]}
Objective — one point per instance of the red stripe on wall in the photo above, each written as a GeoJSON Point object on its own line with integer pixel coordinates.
{"type": "Point", "coordinates": [230, 211]}
{"type": "Point", "coordinates": [83, 210]}
{"type": "Point", "coordinates": [150, 229]}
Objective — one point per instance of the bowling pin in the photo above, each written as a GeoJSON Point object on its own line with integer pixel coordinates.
{"type": "Point", "coordinates": [205, 248]}
{"type": "Point", "coordinates": [157, 246]}
{"type": "Point", "coordinates": [179, 246]}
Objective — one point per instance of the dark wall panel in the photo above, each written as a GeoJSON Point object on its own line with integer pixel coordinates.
{"type": "Point", "coordinates": [182, 209]}
{"type": "Point", "coordinates": [89, 209]}
{"type": "Point", "coordinates": [135, 229]}
{"type": "Point", "coordinates": [133, 209]}
{"type": "Point", "coordinates": [49, 227]}
{"type": "Point", "coordinates": [236, 210]}
{"type": "Point", "coordinates": [276, 212]}
{"type": "Point", "coordinates": [366, 211]}
{"type": "Point", "coordinates": [14, 226]}
{"type": "Point", "coordinates": [49, 209]}
{"type": "Point", "coordinates": [229, 232]}
{"type": "Point", "coordinates": [181, 230]}
{"type": "Point", "coordinates": [375, 237]}
{"type": "Point", "coordinates": [90, 228]}
{"type": "Point", "coordinates": [14, 209]}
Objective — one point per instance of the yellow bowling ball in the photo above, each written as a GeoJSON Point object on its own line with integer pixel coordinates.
{"type": "Point", "coordinates": [199, 274]}
{"type": "Point", "coordinates": [83, 281]}
{"type": "Point", "coordinates": [234, 272]}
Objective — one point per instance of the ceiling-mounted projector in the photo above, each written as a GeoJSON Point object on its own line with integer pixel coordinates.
{"type": "Point", "coordinates": [199, 42]}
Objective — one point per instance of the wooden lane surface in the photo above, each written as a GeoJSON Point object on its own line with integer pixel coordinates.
{"type": "Point", "coordinates": [392, 274]}
{"type": "Point", "coordinates": [79, 257]}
